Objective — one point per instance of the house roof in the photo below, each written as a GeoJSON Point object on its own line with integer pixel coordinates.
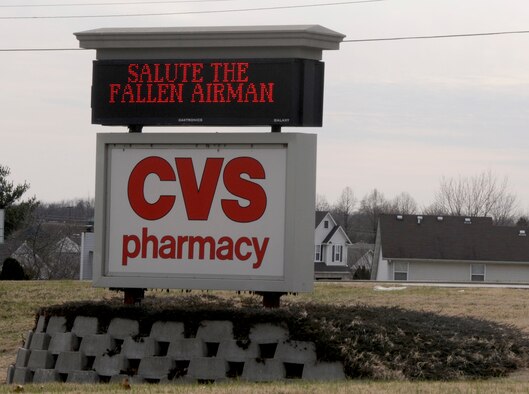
{"type": "Point", "coordinates": [319, 217]}
{"type": "Point", "coordinates": [451, 238]}
{"type": "Point", "coordinates": [331, 233]}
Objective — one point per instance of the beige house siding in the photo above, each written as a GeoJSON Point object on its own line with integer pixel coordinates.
{"type": "Point", "coordinates": [424, 271]}
{"type": "Point", "coordinates": [508, 273]}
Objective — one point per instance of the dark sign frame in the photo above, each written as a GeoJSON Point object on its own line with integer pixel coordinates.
{"type": "Point", "coordinates": [205, 92]}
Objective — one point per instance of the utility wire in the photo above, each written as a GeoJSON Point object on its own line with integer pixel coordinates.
{"type": "Point", "coordinates": [344, 41]}
{"type": "Point", "coordinates": [106, 4]}
{"type": "Point", "coordinates": [191, 12]}
{"type": "Point", "coordinates": [497, 33]}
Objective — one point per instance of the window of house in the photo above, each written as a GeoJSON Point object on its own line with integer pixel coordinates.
{"type": "Point", "coordinates": [326, 224]}
{"type": "Point", "coordinates": [318, 253]}
{"type": "Point", "coordinates": [477, 272]}
{"type": "Point", "coordinates": [337, 253]}
{"type": "Point", "coordinates": [400, 270]}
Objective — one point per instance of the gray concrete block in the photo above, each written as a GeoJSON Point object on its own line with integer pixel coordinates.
{"type": "Point", "coordinates": [96, 345]}
{"type": "Point", "coordinates": [83, 326]}
{"type": "Point", "coordinates": [299, 352]}
{"type": "Point", "coordinates": [46, 376]}
{"type": "Point", "coordinates": [39, 341]}
{"type": "Point", "coordinates": [215, 330]}
{"type": "Point", "coordinates": [166, 331]}
{"type": "Point", "coordinates": [207, 368]}
{"type": "Point", "coordinates": [10, 374]}
{"type": "Point", "coordinates": [70, 361]}
{"type": "Point", "coordinates": [22, 376]}
{"type": "Point", "coordinates": [90, 377]}
{"type": "Point", "coordinates": [145, 347]}
{"type": "Point", "coordinates": [186, 349]}
{"type": "Point", "coordinates": [41, 324]}
{"type": "Point", "coordinates": [230, 351]}
{"type": "Point", "coordinates": [63, 342]}
{"type": "Point", "coordinates": [155, 367]}
{"type": "Point", "coordinates": [323, 371]}
{"type": "Point", "coordinates": [268, 333]}
{"type": "Point", "coordinates": [22, 357]}
{"type": "Point", "coordinates": [40, 359]}
{"type": "Point", "coordinates": [122, 328]}
{"type": "Point", "coordinates": [110, 365]}
{"type": "Point", "coordinates": [56, 324]}
{"type": "Point", "coordinates": [263, 370]}
{"type": "Point", "coordinates": [27, 341]}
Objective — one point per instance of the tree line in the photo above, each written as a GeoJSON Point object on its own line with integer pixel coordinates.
{"type": "Point", "coordinates": [43, 227]}
{"type": "Point", "coordinates": [484, 194]}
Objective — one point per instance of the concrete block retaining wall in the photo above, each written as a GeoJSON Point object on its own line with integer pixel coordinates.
{"type": "Point", "coordinates": [51, 353]}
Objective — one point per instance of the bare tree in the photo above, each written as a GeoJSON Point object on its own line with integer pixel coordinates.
{"type": "Point", "coordinates": [480, 195]}
{"type": "Point", "coordinates": [344, 208]}
{"type": "Point", "coordinates": [321, 203]}
{"type": "Point", "coordinates": [374, 204]}
{"type": "Point", "coordinates": [404, 204]}
{"type": "Point", "coordinates": [523, 221]}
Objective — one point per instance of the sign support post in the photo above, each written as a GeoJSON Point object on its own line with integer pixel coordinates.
{"type": "Point", "coordinates": [133, 296]}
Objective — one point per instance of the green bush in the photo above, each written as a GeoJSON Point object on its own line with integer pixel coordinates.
{"type": "Point", "coordinates": [12, 270]}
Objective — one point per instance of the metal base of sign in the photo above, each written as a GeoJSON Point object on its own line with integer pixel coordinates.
{"type": "Point", "coordinates": [133, 296]}
{"type": "Point", "coordinates": [271, 299]}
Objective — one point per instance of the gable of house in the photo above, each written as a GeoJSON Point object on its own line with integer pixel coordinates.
{"type": "Point", "coordinates": [67, 245]}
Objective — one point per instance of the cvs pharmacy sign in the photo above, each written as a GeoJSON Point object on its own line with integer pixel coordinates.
{"type": "Point", "coordinates": [228, 211]}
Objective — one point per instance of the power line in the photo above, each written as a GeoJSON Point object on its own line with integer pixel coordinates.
{"type": "Point", "coordinates": [344, 41]}
{"type": "Point", "coordinates": [106, 4]}
{"type": "Point", "coordinates": [191, 12]}
{"type": "Point", "coordinates": [497, 33]}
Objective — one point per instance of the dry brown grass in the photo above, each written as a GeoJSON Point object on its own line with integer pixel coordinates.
{"type": "Point", "coordinates": [20, 300]}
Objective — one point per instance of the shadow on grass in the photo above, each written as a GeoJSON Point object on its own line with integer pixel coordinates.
{"type": "Point", "coordinates": [371, 342]}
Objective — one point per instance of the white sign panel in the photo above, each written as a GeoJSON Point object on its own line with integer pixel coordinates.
{"type": "Point", "coordinates": [206, 211]}
{"type": "Point", "coordinates": [225, 211]}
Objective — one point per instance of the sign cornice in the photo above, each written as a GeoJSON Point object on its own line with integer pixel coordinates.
{"type": "Point", "coordinates": [306, 41]}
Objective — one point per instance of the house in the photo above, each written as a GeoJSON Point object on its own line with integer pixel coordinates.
{"type": "Point", "coordinates": [449, 249]}
{"type": "Point", "coordinates": [30, 261]}
{"type": "Point", "coordinates": [330, 248]}
{"type": "Point", "coordinates": [360, 259]}
{"type": "Point", "coordinates": [58, 260]}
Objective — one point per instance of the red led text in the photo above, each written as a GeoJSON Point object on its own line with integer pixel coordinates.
{"type": "Point", "coordinates": [198, 193]}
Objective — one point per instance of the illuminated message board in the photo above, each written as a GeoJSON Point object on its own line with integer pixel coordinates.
{"type": "Point", "coordinates": [240, 92]}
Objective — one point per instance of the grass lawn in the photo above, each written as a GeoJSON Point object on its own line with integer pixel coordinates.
{"type": "Point", "coordinates": [20, 300]}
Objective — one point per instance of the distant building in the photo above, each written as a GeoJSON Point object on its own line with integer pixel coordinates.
{"type": "Point", "coordinates": [330, 248]}
{"type": "Point", "coordinates": [87, 256]}
{"type": "Point", "coordinates": [449, 249]}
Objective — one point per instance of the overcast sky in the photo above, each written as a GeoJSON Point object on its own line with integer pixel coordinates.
{"type": "Point", "coordinates": [398, 115]}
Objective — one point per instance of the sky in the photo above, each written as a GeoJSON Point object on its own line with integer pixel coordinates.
{"type": "Point", "coordinates": [398, 115]}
